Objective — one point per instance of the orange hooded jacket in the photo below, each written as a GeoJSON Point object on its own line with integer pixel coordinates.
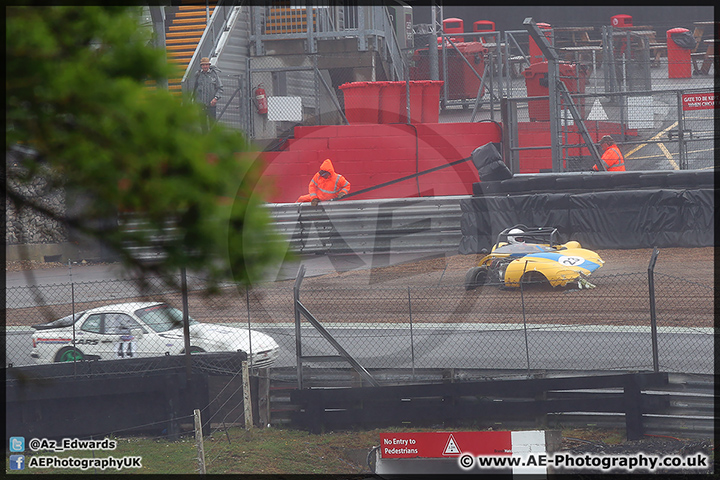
{"type": "Point", "coordinates": [326, 188]}
{"type": "Point", "coordinates": [613, 159]}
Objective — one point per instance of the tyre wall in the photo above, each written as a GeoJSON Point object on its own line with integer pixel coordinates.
{"type": "Point", "coordinates": [619, 210]}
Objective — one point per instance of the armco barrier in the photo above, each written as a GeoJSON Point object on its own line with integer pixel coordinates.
{"type": "Point", "coordinates": [367, 226]}
{"type": "Point", "coordinates": [341, 408]}
{"type": "Point", "coordinates": [690, 413]}
{"type": "Point", "coordinates": [602, 210]}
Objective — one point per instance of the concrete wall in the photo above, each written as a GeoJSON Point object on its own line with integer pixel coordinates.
{"type": "Point", "coordinates": [29, 234]}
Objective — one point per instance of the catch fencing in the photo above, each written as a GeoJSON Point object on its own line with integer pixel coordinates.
{"type": "Point", "coordinates": [621, 81]}
{"type": "Point", "coordinates": [419, 327]}
{"type": "Point", "coordinates": [660, 112]}
{"type": "Point", "coordinates": [605, 328]}
{"type": "Point", "coordinates": [386, 328]}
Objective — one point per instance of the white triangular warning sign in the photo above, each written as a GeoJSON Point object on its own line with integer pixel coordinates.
{"type": "Point", "coordinates": [451, 448]}
{"type": "Point", "coordinates": [597, 112]}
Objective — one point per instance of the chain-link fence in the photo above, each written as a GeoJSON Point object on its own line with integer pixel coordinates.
{"type": "Point", "coordinates": [394, 328]}
{"type": "Point", "coordinates": [604, 328]}
{"type": "Point", "coordinates": [659, 107]}
{"type": "Point", "coordinates": [232, 108]}
{"type": "Point", "coordinates": [607, 327]}
{"type": "Point", "coordinates": [655, 131]}
{"type": "Point", "coordinates": [649, 88]}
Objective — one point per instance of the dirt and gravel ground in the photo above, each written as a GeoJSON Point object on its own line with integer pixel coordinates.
{"type": "Point", "coordinates": [453, 268]}
{"type": "Point", "coordinates": [620, 299]}
{"type": "Point", "coordinates": [694, 264]}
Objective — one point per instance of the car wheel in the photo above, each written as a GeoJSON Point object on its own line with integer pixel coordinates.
{"type": "Point", "coordinates": [535, 280]}
{"type": "Point", "coordinates": [476, 277]}
{"type": "Point", "coordinates": [69, 354]}
{"type": "Point", "coordinates": [194, 350]}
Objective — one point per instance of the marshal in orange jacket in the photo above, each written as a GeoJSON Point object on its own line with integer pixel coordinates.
{"type": "Point", "coordinates": [326, 186]}
{"type": "Point", "coordinates": [612, 157]}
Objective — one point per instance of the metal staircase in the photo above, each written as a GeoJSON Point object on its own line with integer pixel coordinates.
{"type": "Point", "coordinates": [283, 19]}
{"type": "Point", "coordinates": [183, 34]}
{"type": "Point", "coordinates": [243, 39]}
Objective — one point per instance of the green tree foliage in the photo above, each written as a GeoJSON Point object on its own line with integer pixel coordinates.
{"type": "Point", "coordinates": [80, 94]}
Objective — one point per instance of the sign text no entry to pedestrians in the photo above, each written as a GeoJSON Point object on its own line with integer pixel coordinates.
{"type": "Point", "coordinates": [444, 444]}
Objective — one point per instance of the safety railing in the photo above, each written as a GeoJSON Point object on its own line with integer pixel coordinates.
{"type": "Point", "coordinates": [214, 36]}
{"type": "Point", "coordinates": [655, 129]}
{"type": "Point", "coordinates": [318, 22]}
{"type": "Point", "coordinates": [368, 226]}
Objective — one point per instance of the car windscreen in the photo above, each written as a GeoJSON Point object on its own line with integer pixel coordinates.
{"type": "Point", "coordinates": [162, 318]}
{"type": "Point", "coordinates": [517, 248]}
{"type": "Point", "coordinates": [60, 322]}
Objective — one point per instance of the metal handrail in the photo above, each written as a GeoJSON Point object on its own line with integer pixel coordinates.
{"type": "Point", "coordinates": [220, 23]}
{"type": "Point", "coordinates": [391, 44]}
{"type": "Point", "coordinates": [360, 27]}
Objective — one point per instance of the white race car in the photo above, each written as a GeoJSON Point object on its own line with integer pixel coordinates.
{"type": "Point", "coordinates": [148, 329]}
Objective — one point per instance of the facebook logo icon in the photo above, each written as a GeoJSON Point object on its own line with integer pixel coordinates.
{"type": "Point", "coordinates": [17, 444]}
{"type": "Point", "coordinates": [17, 462]}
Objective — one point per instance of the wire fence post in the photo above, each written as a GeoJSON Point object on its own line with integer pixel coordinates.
{"type": "Point", "coordinates": [199, 443]}
{"type": "Point", "coordinates": [247, 303]}
{"type": "Point", "coordinates": [247, 399]}
{"type": "Point", "coordinates": [72, 300]}
{"type": "Point", "coordinates": [412, 340]}
{"type": "Point", "coordinates": [653, 318]}
{"type": "Point", "coordinates": [298, 331]}
{"type": "Point", "coordinates": [522, 302]}
{"type": "Point", "coordinates": [186, 322]}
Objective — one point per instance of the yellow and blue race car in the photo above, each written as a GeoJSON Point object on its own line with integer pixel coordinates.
{"type": "Point", "coordinates": [533, 255]}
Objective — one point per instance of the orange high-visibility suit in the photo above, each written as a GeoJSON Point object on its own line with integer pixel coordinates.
{"type": "Point", "coordinates": [334, 186]}
{"type": "Point", "coordinates": [613, 159]}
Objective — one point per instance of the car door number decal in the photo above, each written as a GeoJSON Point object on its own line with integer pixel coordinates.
{"type": "Point", "coordinates": [570, 261]}
{"type": "Point", "coordinates": [125, 349]}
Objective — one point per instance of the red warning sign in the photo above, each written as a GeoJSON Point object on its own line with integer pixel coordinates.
{"type": "Point", "coordinates": [444, 444]}
{"type": "Point", "coordinates": [699, 101]}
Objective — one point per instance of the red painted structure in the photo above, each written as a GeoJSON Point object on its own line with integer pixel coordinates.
{"type": "Point", "coordinates": [465, 82]}
{"type": "Point", "coordinates": [372, 154]}
{"type": "Point", "coordinates": [369, 155]}
{"type": "Point", "coordinates": [537, 134]}
{"type": "Point", "coordinates": [678, 58]}
{"type": "Point", "coordinates": [621, 20]}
